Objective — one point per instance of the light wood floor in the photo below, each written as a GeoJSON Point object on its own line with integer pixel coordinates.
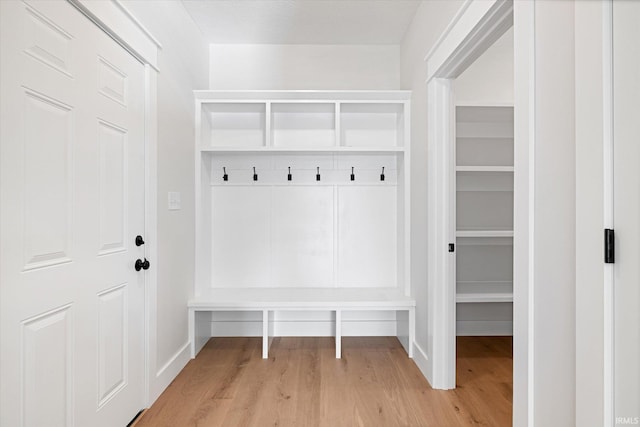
{"type": "Point", "coordinates": [302, 384]}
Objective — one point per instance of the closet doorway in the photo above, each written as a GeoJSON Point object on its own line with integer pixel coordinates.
{"type": "Point", "coordinates": [471, 183]}
{"type": "Point", "coordinates": [483, 163]}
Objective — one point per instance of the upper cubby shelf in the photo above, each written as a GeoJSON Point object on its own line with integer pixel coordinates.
{"type": "Point", "coordinates": [303, 121]}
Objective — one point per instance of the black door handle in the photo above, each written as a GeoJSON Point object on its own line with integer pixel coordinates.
{"type": "Point", "coordinates": [142, 265]}
{"type": "Point", "coordinates": [139, 241]}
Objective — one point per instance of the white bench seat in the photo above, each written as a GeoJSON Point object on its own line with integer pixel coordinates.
{"type": "Point", "coordinates": [267, 300]}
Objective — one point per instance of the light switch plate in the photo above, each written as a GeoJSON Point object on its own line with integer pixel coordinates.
{"type": "Point", "coordinates": [174, 201]}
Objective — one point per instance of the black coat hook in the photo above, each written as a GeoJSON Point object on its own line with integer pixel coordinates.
{"type": "Point", "coordinates": [255, 175]}
{"type": "Point", "coordinates": [382, 174]}
{"type": "Point", "coordinates": [318, 173]}
{"type": "Point", "coordinates": [353, 176]}
{"type": "Point", "coordinates": [225, 177]}
{"type": "Point", "coordinates": [289, 174]}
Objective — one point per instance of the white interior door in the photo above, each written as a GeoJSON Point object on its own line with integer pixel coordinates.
{"type": "Point", "coordinates": [72, 203]}
{"type": "Point", "coordinates": [626, 135]}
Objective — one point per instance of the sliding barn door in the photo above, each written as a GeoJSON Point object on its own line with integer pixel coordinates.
{"type": "Point", "coordinates": [626, 137]}
{"type": "Point", "coordinates": [72, 203]}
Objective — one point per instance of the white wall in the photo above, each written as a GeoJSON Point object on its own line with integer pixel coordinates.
{"type": "Point", "coordinates": [183, 67]}
{"type": "Point", "coordinates": [429, 22]}
{"type": "Point", "coordinates": [274, 67]}
{"type": "Point", "coordinates": [590, 290]}
{"type": "Point", "coordinates": [545, 248]}
{"type": "Point", "coordinates": [555, 238]}
{"type": "Point", "coordinates": [489, 80]}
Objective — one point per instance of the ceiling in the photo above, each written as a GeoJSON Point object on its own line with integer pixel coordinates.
{"type": "Point", "coordinates": [302, 21]}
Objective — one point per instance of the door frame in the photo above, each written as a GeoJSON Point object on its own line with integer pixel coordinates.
{"type": "Point", "coordinates": [119, 24]}
{"type": "Point", "coordinates": [472, 31]}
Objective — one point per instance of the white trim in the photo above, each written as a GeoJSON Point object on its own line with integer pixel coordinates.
{"type": "Point", "coordinates": [608, 214]}
{"type": "Point", "coordinates": [449, 28]}
{"type": "Point", "coordinates": [137, 23]}
{"type": "Point", "coordinates": [421, 360]}
{"type": "Point", "coordinates": [441, 285]}
{"type": "Point", "coordinates": [151, 224]}
{"type": "Point", "coordinates": [531, 175]}
{"type": "Point", "coordinates": [177, 356]}
{"type": "Point", "coordinates": [524, 215]}
{"type": "Point", "coordinates": [479, 26]}
{"type": "Point", "coordinates": [119, 24]}
{"type": "Point", "coordinates": [312, 96]}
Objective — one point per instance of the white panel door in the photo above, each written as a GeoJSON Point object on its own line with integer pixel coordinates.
{"type": "Point", "coordinates": [72, 202]}
{"type": "Point", "coordinates": [626, 131]}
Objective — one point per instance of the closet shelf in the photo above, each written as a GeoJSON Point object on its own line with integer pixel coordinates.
{"type": "Point", "coordinates": [484, 233]}
{"type": "Point", "coordinates": [484, 297]}
{"type": "Point", "coordinates": [484, 168]}
{"type": "Point", "coordinates": [302, 150]}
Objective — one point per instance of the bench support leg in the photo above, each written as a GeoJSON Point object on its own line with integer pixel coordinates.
{"type": "Point", "coordinates": [338, 334]}
{"type": "Point", "coordinates": [192, 332]}
{"type": "Point", "coordinates": [265, 334]}
{"type": "Point", "coordinates": [412, 330]}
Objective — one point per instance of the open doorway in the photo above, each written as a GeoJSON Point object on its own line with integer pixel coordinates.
{"type": "Point", "coordinates": [483, 217]}
{"type": "Point", "coordinates": [481, 231]}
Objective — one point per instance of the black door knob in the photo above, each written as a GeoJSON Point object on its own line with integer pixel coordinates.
{"type": "Point", "coordinates": [139, 241]}
{"type": "Point", "coordinates": [142, 265]}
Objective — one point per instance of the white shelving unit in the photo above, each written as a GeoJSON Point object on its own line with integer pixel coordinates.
{"type": "Point", "coordinates": [484, 220]}
{"type": "Point", "coordinates": [281, 224]}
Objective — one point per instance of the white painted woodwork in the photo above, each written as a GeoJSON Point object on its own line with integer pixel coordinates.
{"type": "Point", "coordinates": [484, 220]}
{"type": "Point", "coordinates": [340, 304]}
{"type": "Point", "coordinates": [72, 197]}
{"type": "Point", "coordinates": [285, 246]}
{"type": "Point", "coordinates": [367, 242]}
{"type": "Point", "coordinates": [626, 208]}
{"type": "Point", "coordinates": [302, 248]}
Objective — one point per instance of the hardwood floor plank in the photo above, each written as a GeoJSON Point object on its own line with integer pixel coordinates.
{"type": "Point", "coordinates": [303, 384]}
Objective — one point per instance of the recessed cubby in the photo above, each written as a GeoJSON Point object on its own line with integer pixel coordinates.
{"type": "Point", "coordinates": [303, 124]}
{"type": "Point", "coordinates": [233, 125]}
{"type": "Point", "coordinates": [372, 124]}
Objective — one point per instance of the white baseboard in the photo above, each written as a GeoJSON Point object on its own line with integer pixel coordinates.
{"type": "Point", "coordinates": [484, 328]}
{"type": "Point", "coordinates": [422, 361]}
{"type": "Point", "coordinates": [168, 372]}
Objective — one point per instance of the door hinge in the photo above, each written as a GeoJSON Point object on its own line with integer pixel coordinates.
{"type": "Point", "coordinates": [452, 247]}
{"type": "Point", "coordinates": [609, 246]}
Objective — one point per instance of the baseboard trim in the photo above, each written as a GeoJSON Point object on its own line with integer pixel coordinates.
{"type": "Point", "coordinates": [484, 328]}
{"type": "Point", "coordinates": [422, 361]}
{"type": "Point", "coordinates": [169, 371]}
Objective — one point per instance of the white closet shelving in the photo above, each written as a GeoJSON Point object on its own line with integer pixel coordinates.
{"type": "Point", "coordinates": [302, 199]}
{"type": "Point", "coordinates": [484, 219]}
